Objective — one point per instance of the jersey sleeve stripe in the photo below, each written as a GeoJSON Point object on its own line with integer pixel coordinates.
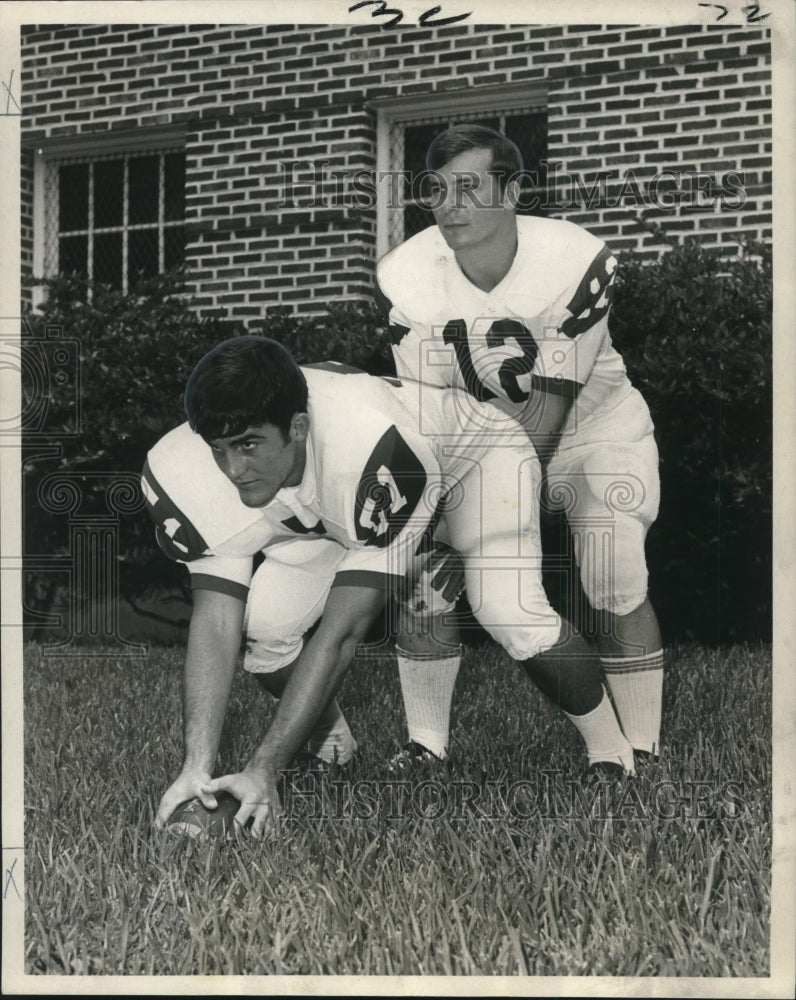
{"type": "Point", "coordinates": [593, 296]}
{"type": "Point", "coordinates": [390, 490]}
{"type": "Point", "coordinates": [338, 367]}
{"type": "Point", "coordinates": [183, 542]}
{"type": "Point", "coordinates": [367, 578]}
{"type": "Point", "coordinates": [396, 331]}
{"type": "Point", "coordinates": [205, 581]}
{"type": "Point", "coordinates": [556, 386]}
{"type": "Point", "coordinates": [382, 301]}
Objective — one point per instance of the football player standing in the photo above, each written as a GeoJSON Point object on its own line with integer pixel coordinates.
{"type": "Point", "coordinates": [339, 479]}
{"type": "Point", "coordinates": [514, 310]}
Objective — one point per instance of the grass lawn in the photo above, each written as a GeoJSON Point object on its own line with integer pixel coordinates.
{"type": "Point", "coordinates": [505, 865]}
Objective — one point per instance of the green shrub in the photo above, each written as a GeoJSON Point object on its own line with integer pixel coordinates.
{"type": "Point", "coordinates": [135, 353]}
{"type": "Point", "coordinates": [354, 333]}
{"type": "Point", "coordinates": [695, 333]}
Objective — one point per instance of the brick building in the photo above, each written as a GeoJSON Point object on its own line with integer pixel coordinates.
{"type": "Point", "coordinates": [255, 154]}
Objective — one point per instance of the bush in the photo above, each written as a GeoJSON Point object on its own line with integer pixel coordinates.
{"type": "Point", "coordinates": [134, 355]}
{"type": "Point", "coordinates": [695, 333]}
{"type": "Point", "coordinates": [354, 333]}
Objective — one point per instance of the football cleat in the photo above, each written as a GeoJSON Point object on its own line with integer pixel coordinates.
{"type": "Point", "coordinates": [306, 760]}
{"type": "Point", "coordinates": [340, 748]}
{"type": "Point", "coordinates": [607, 770]}
{"type": "Point", "coordinates": [413, 754]}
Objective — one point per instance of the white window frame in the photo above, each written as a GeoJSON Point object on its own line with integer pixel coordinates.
{"type": "Point", "coordinates": [392, 112]}
{"type": "Point", "coordinates": [52, 151]}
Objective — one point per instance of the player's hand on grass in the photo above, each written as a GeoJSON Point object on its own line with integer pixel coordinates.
{"type": "Point", "coordinates": [189, 785]}
{"type": "Point", "coordinates": [258, 796]}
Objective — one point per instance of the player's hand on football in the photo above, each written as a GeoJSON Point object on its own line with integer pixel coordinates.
{"type": "Point", "coordinates": [446, 570]}
{"type": "Point", "coordinates": [258, 797]}
{"type": "Point", "coordinates": [189, 785]}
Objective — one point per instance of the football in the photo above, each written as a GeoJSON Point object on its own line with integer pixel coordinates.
{"type": "Point", "coordinates": [193, 820]}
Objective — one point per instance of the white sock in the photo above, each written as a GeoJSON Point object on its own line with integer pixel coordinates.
{"type": "Point", "coordinates": [427, 687]}
{"type": "Point", "coordinates": [331, 739]}
{"type": "Point", "coordinates": [636, 686]}
{"type": "Point", "coordinates": [603, 738]}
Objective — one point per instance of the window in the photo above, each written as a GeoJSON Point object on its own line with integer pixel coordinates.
{"type": "Point", "coordinates": [114, 215]}
{"type": "Point", "coordinates": [407, 127]}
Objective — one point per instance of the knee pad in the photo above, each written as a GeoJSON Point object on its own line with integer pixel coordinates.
{"type": "Point", "coordinates": [264, 656]}
{"type": "Point", "coordinates": [517, 616]}
{"type": "Point", "coordinates": [523, 642]}
{"type": "Point", "coordinates": [286, 598]}
{"type": "Point", "coordinates": [613, 567]}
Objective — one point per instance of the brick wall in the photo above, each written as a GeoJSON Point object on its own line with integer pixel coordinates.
{"type": "Point", "coordinates": [669, 101]}
{"type": "Point", "coordinates": [26, 222]}
{"type": "Point", "coordinates": [630, 102]}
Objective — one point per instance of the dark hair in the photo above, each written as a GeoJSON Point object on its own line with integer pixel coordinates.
{"type": "Point", "coordinates": [506, 157]}
{"type": "Point", "coordinates": [244, 382]}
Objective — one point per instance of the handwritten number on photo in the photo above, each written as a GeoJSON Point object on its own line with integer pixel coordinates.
{"type": "Point", "coordinates": [397, 15]}
{"type": "Point", "coordinates": [425, 19]}
{"type": "Point", "coordinates": [724, 10]}
{"type": "Point", "coordinates": [751, 11]}
{"type": "Point", "coordinates": [753, 15]}
{"type": "Point", "coordinates": [383, 11]}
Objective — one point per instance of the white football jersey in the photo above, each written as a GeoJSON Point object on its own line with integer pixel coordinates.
{"type": "Point", "coordinates": [380, 456]}
{"type": "Point", "coordinates": [544, 326]}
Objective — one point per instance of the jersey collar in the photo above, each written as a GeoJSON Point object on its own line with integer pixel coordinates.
{"type": "Point", "coordinates": [303, 494]}
{"type": "Point", "coordinates": [504, 282]}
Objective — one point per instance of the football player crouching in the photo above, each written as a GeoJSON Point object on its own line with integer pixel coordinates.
{"type": "Point", "coordinates": [338, 478]}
